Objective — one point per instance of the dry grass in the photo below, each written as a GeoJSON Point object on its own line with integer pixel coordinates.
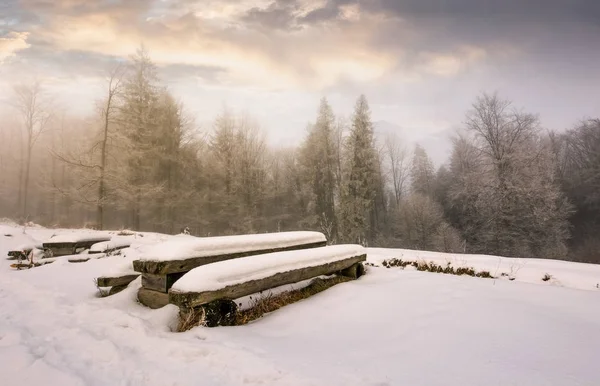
{"type": "Point", "coordinates": [546, 277]}
{"type": "Point", "coordinates": [433, 267]}
{"type": "Point", "coordinates": [269, 303]}
{"type": "Point", "coordinates": [189, 319]}
{"type": "Point", "coordinates": [212, 315]}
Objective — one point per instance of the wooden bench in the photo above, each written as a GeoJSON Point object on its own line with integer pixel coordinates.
{"type": "Point", "coordinates": [230, 280]}
{"type": "Point", "coordinates": [82, 258]}
{"type": "Point", "coordinates": [110, 246]}
{"type": "Point", "coordinates": [22, 252]}
{"type": "Point", "coordinates": [117, 283]}
{"type": "Point", "coordinates": [71, 244]}
{"type": "Point", "coordinates": [169, 261]}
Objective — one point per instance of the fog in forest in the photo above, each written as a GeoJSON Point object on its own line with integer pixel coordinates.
{"type": "Point", "coordinates": [460, 126]}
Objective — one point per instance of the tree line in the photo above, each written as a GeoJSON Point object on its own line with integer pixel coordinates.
{"type": "Point", "coordinates": [510, 187]}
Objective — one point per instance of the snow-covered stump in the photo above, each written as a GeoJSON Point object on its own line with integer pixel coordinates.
{"type": "Point", "coordinates": [170, 260]}
{"type": "Point", "coordinates": [197, 291]}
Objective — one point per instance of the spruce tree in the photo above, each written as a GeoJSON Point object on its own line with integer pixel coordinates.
{"type": "Point", "coordinates": [319, 163]}
{"type": "Point", "coordinates": [358, 199]}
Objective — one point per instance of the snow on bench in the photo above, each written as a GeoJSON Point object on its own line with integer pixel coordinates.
{"type": "Point", "coordinates": [23, 250]}
{"type": "Point", "coordinates": [186, 248]}
{"type": "Point", "coordinates": [162, 265]}
{"type": "Point", "coordinates": [72, 243]}
{"type": "Point", "coordinates": [84, 257]}
{"type": "Point", "coordinates": [184, 253]}
{"type": "Point", "coordinates": [110, 246]}
{"type": "Point", "coordinates": [233, 279]}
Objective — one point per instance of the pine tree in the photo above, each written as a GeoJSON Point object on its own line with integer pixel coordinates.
{"type": "Point", "coordinates": [422, 173]}
{"type": "Point", "coordinates": [319, 164]}
{"type": "Point", "coordinates": [358, 205]}
{"type": "Point", "coordinates": [139, 127]}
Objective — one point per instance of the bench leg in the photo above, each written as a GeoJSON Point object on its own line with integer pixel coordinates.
{"type": "Point", "coordinates": [354, 272]}
{"type": "Point", "coordinates": [152, 299]}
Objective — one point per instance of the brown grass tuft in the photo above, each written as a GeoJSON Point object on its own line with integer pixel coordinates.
{"type": "Point", "coordinates": [269, 303]}
{"type": "Point", "coordinates": [225, 312]}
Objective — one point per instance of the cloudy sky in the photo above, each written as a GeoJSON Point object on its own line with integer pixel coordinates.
{"type": "Point", "coordinates": [420, 62]}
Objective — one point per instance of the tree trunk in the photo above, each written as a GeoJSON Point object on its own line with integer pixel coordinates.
{"type": "Point", "coordinates": [26, 179]}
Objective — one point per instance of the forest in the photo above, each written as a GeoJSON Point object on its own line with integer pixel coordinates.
{"type": "Point", "coordinates": [510, 188]}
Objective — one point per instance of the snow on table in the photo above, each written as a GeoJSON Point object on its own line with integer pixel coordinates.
{"type": "Point", "coordinates": [28, 247]}
{"type": "Point", "coordinates": [226, 273]}
{"type": "Point", "coordinates": [183, 247]}
{"type": "Point", "coordinates": [77, 237]}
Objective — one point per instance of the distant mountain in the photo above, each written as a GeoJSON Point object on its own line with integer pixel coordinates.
{"type": "Point", "coordinates": [438, 145]}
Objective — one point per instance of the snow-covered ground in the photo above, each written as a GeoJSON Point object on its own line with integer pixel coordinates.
{"type": "Point", "coordinates": [390, 327]}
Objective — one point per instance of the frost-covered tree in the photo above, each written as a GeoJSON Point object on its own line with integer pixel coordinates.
{"type": "Point", "coordinates": [31, 104]}
{"type": "Point", "coordinates": [578, 168]}
{"type": "Point", "coordinates": [398, 167]}
{"type": "Point", "coordinates": [419, 223]}
{"type": "Point", "coordinates": [320, 164]}
{"type": "Point", "coordinates": [505, 184]}
{"type": "Point", "coordinates": [358, 203]}
{"type": "Point", "coordinates": [422, 173]}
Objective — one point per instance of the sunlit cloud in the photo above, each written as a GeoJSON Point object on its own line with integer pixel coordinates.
{"type": "Point", "coordinates": [429, 58]}
{"type": "Point", "coordinates": [11, 43]}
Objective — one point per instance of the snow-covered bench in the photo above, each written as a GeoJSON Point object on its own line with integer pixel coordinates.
{"type": "Point", "coordinates": [72, 243]}
{"type": "Point", "coordinates": [100, 250]}
{"type": "Point", "coordinates": [22, 252]}
{"type": "Point", "coordinates": [167, 262]}
{"type": "Point", "coordinates": [116, 282]}
{"type": "Point", "coordinates": [230, 280]}
{"type": "Point", "coordinates": [110, 246]}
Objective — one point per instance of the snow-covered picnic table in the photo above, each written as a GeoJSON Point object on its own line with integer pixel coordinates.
{"type": "Point", "coordinates": [233, 279]}
{"type": "Point", "coordinates": [164, 264]}
{"type": "Point", "coordinates": [72, 243]}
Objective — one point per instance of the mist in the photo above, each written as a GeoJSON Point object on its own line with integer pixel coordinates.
{"type": "Point", "coordinates": [449, 126]}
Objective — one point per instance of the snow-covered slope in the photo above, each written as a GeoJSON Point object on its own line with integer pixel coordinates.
{"type": "Point", "coordinates": [561, 273]}
{"type": "Point", "coordinates": [390, 327]}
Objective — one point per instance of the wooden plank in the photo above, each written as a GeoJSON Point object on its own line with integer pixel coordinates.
{"type": "Point", "coordinates": [160, 283]}
{"type": "Point", "coordinates": [78, 259]}
{"type": "Point", "coordinates": [154, 282]}
{"type": "Point", "coordinates": [152, 299]}
{"type": "Point", "coordinates": [63, 250]}
{"type": "Point", "coordinates": [114, 281]}
{"type": "Point", "coordinates": [116, 289]}
{"type": "Point", "coordinates": [186, 265]}
{"type": "Point", "coordinates": [195, 299]}
{"type": "Point", "coordinates": [353, 272]}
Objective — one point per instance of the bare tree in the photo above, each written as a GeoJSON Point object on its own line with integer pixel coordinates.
{"type": "Point", "coordinates": [398, 164]}
{"type": "Point", "coordinates": [29, 101]}
{"type": "Point", "coordinates": [515, 205]}
{"type": "Point", "coordinates": [108, 110]}
{"type": "Point", "coordinates": [91, 167]}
